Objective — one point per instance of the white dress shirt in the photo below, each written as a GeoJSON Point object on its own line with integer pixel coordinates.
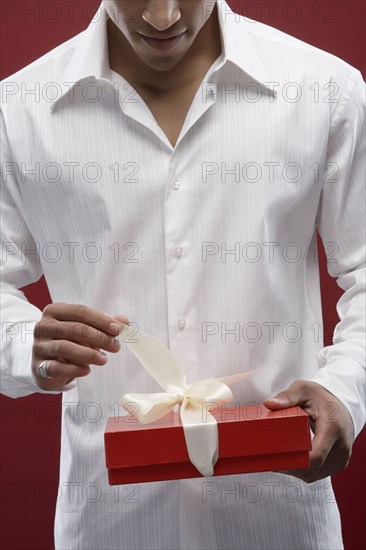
{"type": "Point", "coordinates": [209, 245]}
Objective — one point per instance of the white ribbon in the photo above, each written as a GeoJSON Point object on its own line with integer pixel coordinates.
{"type": "Point", "coordinates": [199, 425]}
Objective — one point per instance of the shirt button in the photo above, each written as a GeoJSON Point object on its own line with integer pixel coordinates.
{"type": "Point", "coordinates": [181, 323]}
{"type": "Point", "coordinates": [178, 251]}
{"type": "Point", "coordinates": [176, 184]}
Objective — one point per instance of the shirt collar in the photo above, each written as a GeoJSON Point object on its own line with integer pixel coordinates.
{"type": "Point", "coordinates": [238, 44]}
{"type": "Point", "coordinates": [90, 57]}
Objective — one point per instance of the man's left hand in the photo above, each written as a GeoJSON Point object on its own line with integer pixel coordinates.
{"type": "Point", "coordinates": [331, 423]}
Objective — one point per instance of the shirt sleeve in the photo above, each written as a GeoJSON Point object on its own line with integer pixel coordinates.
{"type": "Point", "coordinates": [20, 265]}
{"type": "Point", "coordinates": [341, 221]}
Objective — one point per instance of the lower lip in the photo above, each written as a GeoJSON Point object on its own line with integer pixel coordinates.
{"type": "Point", "coordinates": [166, 44]}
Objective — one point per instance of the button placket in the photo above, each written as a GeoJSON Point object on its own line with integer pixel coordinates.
{"type": "Point", "coordinates": [176, 184]}
{"type": "Point", "coordinates": [181, 323]}
{"type": "Point", "coordinates": [181, 307]}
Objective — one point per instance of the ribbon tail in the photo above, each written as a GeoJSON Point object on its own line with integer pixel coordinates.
{"type": "Point", "coordinates": [234, 378]}
{"type": "Point", "coordinates": [202, 439]}
{"type": "Point", "coordinates": [156, 358]}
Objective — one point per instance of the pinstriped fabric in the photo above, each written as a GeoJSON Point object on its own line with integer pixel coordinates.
{"type": "Point", "coordinates": [209, 245]}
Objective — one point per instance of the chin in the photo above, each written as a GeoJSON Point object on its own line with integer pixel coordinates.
{"type": "Point", "coordinates": [162, 66]}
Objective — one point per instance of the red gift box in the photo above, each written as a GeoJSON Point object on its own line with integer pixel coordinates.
{"type": "Point", "coordinates": [251, 439]}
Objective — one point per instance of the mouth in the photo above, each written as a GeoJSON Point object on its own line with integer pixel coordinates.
{"type": "Point", "coordinates": [162, 43]}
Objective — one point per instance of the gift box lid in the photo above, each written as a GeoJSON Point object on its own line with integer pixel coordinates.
{"type": "Point", "coordinates": [131, 443]}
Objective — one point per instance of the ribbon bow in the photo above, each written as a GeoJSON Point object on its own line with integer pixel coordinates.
{"type": "Point", "coordinates": [195, 400]}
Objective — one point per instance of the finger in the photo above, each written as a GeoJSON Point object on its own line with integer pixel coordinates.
{"type": "Point", "coordinates": [63, 350]}
{"type": "Point", "coordinates": [307, 475]}
{"type": "Point", "coordinates": [279, 402]}
{"type": "Point", "coordinates": [85, 314]}
{"type": "Point", "coordinates": [122, 319]}
{"type": "Point", "coordinates": [79, 333]}
{"type": "Point", "coordinates": [337, 459]}
{"type": "Point", "coordinates": [296, 394]}
{"type": "Point", "coordinates": [322, 443]}
{"type": "Point", "coordinates": [59, 370]}
{"type": "Point", "coordinates": [314, 474]}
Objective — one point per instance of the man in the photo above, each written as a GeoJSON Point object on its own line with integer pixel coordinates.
{"type": "Point", "coordinates": [173, 173]}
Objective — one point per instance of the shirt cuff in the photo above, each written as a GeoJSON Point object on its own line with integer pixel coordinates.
{"type": "Point", "coordinates": [17, 376]}
{"type": "Point", "coordinates": [346, 379]}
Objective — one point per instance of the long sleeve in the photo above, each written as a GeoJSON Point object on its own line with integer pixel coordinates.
{"type": "Point", "coordinates": [20, 266]}
{"type": "Point", "coordinates": [340, 221]}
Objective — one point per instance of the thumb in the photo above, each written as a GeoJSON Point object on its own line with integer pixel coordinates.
{"type": "Point", "coordinates": [122, 318]}
{"type": "Point", "coordinates": [282, 400]}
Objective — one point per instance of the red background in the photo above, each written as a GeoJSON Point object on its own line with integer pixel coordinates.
{"type": "Point", "coordinates": [30, 440]}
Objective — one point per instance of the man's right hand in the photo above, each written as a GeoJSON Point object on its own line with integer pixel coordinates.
{"type": "Point", "coordinates": [69, 337]}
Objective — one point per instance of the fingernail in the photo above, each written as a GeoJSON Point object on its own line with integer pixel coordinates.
{"type": "Point", "coordinates": [277, 401]}
{"type": "Point", "coordinates": [116, 343]}
{"type": "Point", "coordinates": [115, 326]}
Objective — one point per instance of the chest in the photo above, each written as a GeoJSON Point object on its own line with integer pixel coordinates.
{"type": "Point", "coordinates": [170, 110]}
{"type": "Point", "coordinates": [234, 177]}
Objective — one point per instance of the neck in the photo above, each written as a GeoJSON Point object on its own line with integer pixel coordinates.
{"type": "Point", "coordinates": [205, 49]}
